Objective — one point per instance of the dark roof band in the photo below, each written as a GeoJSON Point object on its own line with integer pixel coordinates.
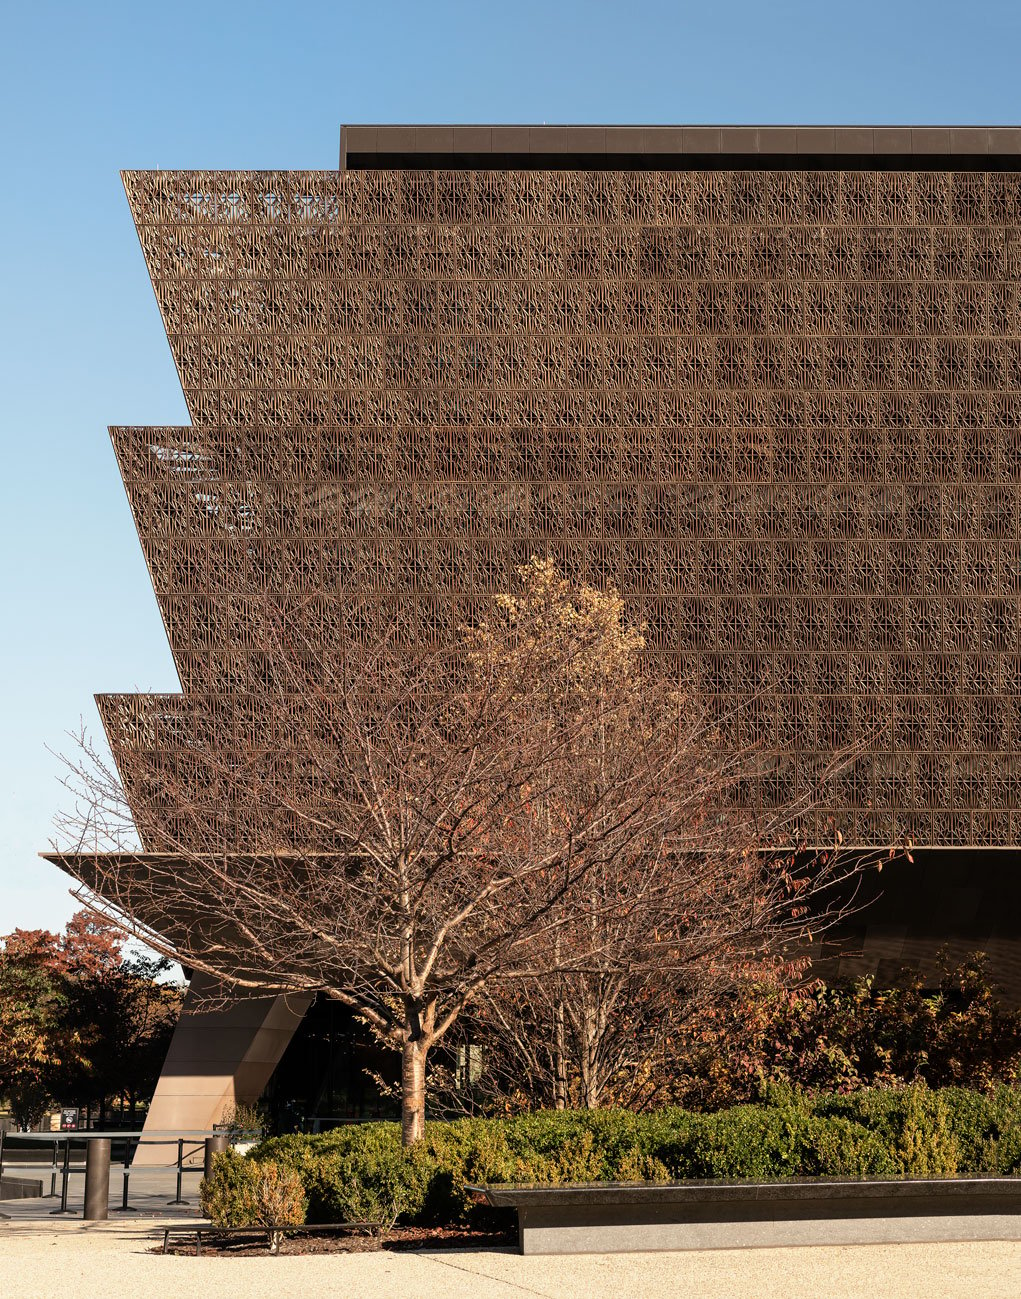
{"type": "Point", "coordinates": [623, 148]}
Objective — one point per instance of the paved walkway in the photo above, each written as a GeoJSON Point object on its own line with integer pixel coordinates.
{"type": "Point", "coordinates": [65, 1259]}
{"type": "Point", "coordinates": [150, 1191]}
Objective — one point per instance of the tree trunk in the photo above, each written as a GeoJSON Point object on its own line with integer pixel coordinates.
{"type": "Point", "coordinates": [591, 1089]}
{"type": "Point", "coordinates": [413, 1091]}
{"type": "Point", "coordinates": [559, 1057]}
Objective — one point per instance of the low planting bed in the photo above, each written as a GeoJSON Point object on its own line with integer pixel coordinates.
{"type": "Point", "coordinates": [362, 1173]}
{"type": "Point", "coordinates": [272, 1234]}
{"type": "Point", "coordinates": [253, 1241]}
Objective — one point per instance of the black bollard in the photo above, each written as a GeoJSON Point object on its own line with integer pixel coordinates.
{"type": "Point", "coordinates": [97, 1180]}
{"type": "Point", "coordinates": [214, 1146]}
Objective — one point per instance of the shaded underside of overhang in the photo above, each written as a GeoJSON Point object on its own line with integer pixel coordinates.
{"type": "Point", "coordinates": [940, 907]}
{"type": "Point", "coordinates": [183, 903]}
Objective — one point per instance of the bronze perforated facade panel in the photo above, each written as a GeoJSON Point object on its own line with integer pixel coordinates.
{"type": "Point", "coordinates": [780, 408]}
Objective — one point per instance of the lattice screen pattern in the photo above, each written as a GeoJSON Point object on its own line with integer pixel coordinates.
{"type": "Point", "coordinates": [780, 409]}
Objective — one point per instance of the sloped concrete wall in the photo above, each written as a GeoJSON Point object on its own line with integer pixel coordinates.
{"type": "Point", "coordinates": [218, 1055]}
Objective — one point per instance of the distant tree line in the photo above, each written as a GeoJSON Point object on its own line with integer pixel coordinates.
{"type": "Point", "coordinates": [84, 1022]}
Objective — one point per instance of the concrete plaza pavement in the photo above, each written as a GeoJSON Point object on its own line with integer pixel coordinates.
{"type": "Point", "coordinates": [46, 1257]}
{"type": "Point", "coordinates": [65, 1259]}
{"type": "Point", "coordinates": [150, 1192]}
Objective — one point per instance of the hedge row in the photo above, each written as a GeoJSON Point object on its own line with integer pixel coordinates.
{"type": "Point", "coordinates": [362, 1172]}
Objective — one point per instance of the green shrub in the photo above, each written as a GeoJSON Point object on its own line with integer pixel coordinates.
{"type": "Point", "coordinates": [841, 1148]}
{"type": "Point", "coordinates": [362, 1173]}
{"type": "Point", "coordinates": [938, 1133]}
{"type": "Point", "coordinates": [247, 1193]}
{"type": "Point", "coordinates": [1001, 1142]}
{"type": "Point", "coordinates": [355, 1174]}
{"type": "Point", "coordinates": [928, 1145]}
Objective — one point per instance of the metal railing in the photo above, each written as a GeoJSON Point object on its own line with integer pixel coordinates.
{"type": "Point", "coordinates": [188, 1144]}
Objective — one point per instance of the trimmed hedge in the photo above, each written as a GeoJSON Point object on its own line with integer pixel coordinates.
{"type": "Point", "coordinates": [362, 1172]}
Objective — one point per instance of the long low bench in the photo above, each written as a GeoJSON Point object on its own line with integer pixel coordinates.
{"type": "Point", "coordinates": [615, 1217]}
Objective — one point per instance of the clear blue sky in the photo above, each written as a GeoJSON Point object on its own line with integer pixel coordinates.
{"type": "Point", "coordinates": [88, 89]}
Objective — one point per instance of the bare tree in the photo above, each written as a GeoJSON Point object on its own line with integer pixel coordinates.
{"type": "Point", "coordinates": [720, 885]}
{"type": "Point", "coordinates": [608, 1031]}
{"type": "Point", "coordinates": [403, 831]}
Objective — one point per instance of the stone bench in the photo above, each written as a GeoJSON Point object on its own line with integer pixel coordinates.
{"type": "Point", "coordinates": [615, 1217]}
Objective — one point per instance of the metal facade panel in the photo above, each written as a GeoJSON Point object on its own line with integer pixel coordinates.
{"type": "Point", "coordinates": [780, 409]}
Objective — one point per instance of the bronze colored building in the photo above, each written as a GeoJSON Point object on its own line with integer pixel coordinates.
{"type": "Point", "coordinates": [766, 380]}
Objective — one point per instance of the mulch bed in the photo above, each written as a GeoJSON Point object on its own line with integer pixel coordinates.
{"type": "Point", "coordinates": [400, 1238]}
